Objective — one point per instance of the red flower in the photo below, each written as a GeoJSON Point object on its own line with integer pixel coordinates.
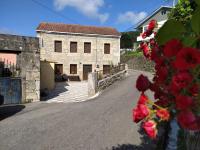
{"type": "Point", "coordinates": [172, 47]}
{"type": "Point", "coordinates": [194, 89]}
{"type": "Point", "coordinates": [152, 25]}
{"type": "Point", "coordinates": [163, 114]}
{"type": "Point", "coordinates": [183, 102]}
{"type": "Point", "coordinates": [163, 102]}
{"type": "Point", "coordinates": [155, 53]}
{"type": "Point", "coordinates": [144, 35]}
{"type": "Point", "coordinates": [145, 49]}
{"type": "Point", "coordinates": [142, 83]}
{"type": "Point", "coordinates": [150, 128]}
{"type": "Point", "coordinates": [152, 42]}
{"type": "Point", "coordinates": [187, 120]}
{"type": "Point", "coordinates": [140, 112]}
{"type": "Point", "coordinates": [187, 58]}
{"type": "Point", "coordinates": [143, 99]}
{"type": "Point", "coordinates": [162, 73]}
{"type": "Point", "coordinates": [180, 80]}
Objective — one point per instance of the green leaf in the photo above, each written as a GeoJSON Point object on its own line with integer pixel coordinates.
{"type": "Point", "coordinates": [189, 41]}
{"type": "Point", "coordinates": [198, 2]}
{"type": "Point", "coordinates": [170, 30]}
{"type": "Point", "coordinates": [196, 20]}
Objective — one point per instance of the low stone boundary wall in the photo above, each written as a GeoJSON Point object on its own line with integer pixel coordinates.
{"type": "Point", "coordinates": [94, 85]}
{"type": "Point", "coordinates": [104, 83]}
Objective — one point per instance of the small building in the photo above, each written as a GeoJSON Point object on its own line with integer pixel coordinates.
{"type": "Point", "coordinates": [160, 15]}
{"type": "Point", "coordinates": [78, 50]}
{"type": "Point", "coordinates": [19, 69]}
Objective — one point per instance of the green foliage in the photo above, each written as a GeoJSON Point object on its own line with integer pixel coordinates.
{"type": "Point", "coordinates": [133, 53]}
{"type": "Point", "coordinates": [171, 29]}
{"type": "Point", "coordinates": [128, 38]}
{"type": "Point", "coordinates": [197, 2]}
{"type": "Point", "coordinates": [129, 55]}
{"type": "Point", "coordinates": [183, 11]}
{"type": "Point", "coordinates": [195, 22]}
{"type": "Point", "coordinates": [186, 15]}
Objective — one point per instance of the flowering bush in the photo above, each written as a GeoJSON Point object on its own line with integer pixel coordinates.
{"type": "Point", "coordinates": [176, 83]}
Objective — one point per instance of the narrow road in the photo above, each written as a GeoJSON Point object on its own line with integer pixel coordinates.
{"type": "Point", "coordinates": [104, 123]}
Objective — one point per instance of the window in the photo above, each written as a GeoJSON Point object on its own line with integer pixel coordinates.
{"type": "Point", "coordinates": [58, 46]}
{"type": "Point", "coordinates": [73, 47]}
{"type": "Point", "coordinates": [163, 12]}
{"type": "Point", "coordinates": [73, 68]}
{"type": "Point", "coordinates": [87, 47]}
{"type": "Point", "coordinates": [58, 69]}
{"type": "Point", "coordinates": [106, 69]}
{"type": "Point", "coordinates": [106, 48]}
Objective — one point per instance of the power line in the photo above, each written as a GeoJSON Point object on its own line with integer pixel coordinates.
{"type": "Point", "coordinates": [53, 11]}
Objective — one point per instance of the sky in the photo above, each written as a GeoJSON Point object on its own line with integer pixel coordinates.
{"type": "Point", "coordinates": [23, 16]}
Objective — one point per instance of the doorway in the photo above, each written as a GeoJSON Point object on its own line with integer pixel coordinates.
{"type": "Point", "coordinates": [86, 70]}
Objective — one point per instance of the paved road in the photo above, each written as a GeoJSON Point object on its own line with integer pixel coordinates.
{"type": "Point", "coordinates": [104, 123]}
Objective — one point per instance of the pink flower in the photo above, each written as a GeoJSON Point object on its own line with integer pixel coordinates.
{"type": "Point", "coordinates": [163, 114]}
{"type": "Point", "coordinates": [140, 112]}
{"type": "Point", "coordinates": [143, 99]}
{"type": "Point", "coordinates": [150, 128]}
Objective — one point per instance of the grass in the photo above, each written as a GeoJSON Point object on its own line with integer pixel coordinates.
{"type": "Point", "coordinates": [133, 53]}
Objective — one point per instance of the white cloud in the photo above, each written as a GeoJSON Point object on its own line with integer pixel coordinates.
{"type": "Point", "coordinates": [131, 17]}
{"type": "Point", "coordinates": [89, 8]}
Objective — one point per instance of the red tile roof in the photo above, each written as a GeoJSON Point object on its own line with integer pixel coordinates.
{"type": "Point", "coordinates": [69, 28]}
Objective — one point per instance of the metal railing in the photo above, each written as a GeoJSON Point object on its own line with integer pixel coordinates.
{"type": "Point", "coordinates": [8, 69]}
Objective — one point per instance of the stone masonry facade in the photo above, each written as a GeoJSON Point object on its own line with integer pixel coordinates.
{"type": "Point", "coordinates": [95, 58]}
{"type": "Point", "coordinates": [28, 60]}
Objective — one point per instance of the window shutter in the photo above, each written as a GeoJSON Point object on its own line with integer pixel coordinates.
{"type": "Point", "coordinates": [87, 47]}
{"type": "Point", "coordinates": [106, 69]}
{"type": "Point", "coordinates": [73, 68]}
{"type": "Point", "coordinates": [73, 47]}
{"type": "Point", "coordinates": [58, 46]}
{"type": "Point", "coordinates": [106, 48]}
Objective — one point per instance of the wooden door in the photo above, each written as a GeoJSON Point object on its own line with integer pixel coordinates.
{"type": "Point", "coordinates": [86, 70]}
{"type": "Point", "coordinates": [58, 69]}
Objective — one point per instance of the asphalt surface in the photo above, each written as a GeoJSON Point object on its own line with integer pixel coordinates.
{"type": "Point", "coordinates": [104, 123]}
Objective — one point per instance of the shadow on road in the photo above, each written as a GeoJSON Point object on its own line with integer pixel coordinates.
{"type": "Point", "coordinates": [59, 88]}
{"type": "Point", "coordinates": [7, 111]}
{"type": "Point", "coordinates": [146, 144]}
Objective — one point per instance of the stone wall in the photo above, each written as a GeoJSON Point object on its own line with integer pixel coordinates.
{"type": "Point", "coordinates": [66, 58]}
{"type": "Point", "coordinates": [28, 59]}
{"type": "Point", "coordinates": [140, 63]}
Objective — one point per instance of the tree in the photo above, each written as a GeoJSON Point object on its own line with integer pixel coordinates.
{"type": "Point", "coordinates": [128, 38]}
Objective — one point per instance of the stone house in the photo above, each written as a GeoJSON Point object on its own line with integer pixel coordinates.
{"type": "Point", "coordinates": [20, 55]}
{"type": "Point", "coordinates": [78, 50]}
{"type": "Point", "coordinates": [160, 15]}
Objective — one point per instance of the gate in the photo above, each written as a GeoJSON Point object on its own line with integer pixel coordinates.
{"type": "Point", "coordinates": [10, 90]}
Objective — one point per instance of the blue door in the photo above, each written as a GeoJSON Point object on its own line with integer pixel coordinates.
{"type": "Point", "coordinates": [10, 89]}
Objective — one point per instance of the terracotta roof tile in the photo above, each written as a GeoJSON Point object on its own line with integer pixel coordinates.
{"type": "Point", "coordinates": [69, 28]}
